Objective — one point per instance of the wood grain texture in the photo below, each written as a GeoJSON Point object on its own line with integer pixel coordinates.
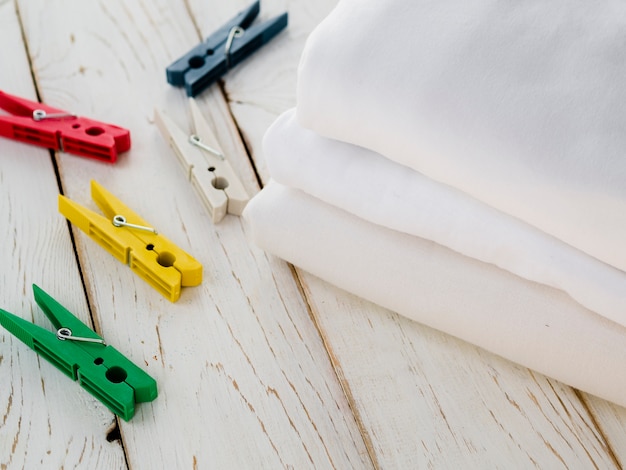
{"type": "Point", "coordinates": [611, 420]}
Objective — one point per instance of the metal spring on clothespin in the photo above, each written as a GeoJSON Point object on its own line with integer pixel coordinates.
{"type": "Point", "coordinates": [120, 221]}
{"type": "Point", "coordinates": [235, 32]}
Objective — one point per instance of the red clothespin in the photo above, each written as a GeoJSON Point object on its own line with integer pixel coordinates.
{"type": "Point", "coordinates": [35, 123]}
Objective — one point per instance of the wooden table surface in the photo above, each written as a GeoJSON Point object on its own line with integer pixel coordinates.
{"type": "Point", "coordinates": [262, 365]}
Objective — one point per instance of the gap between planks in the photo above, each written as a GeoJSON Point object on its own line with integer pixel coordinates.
{"type": "Point", "coordinates": [345, 386]}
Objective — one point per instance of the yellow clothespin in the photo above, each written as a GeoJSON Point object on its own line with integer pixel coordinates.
{"type": "Point", "coordinates": [207, 168]}
{"type": "Point", "coordinates": [131, 240]}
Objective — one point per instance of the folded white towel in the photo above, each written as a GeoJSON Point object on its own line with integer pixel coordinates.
{"type": "Point", "coordinates": [531, 324]}
{"type": "Point", "coordinates": [380, 191]}
{"type": "Point", "coordinates": [518, 104]}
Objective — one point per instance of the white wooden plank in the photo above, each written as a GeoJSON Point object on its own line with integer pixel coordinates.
{"type": "Point", "coordinates": [423, 398]}
{"type": "Point", "coordinates": [611, 419]}
{"type": "Point", "coordinates": [244, 377]}
{"type": "Point", "coordinates": [46, 421]}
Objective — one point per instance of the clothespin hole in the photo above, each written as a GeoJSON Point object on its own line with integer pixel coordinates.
{"type": "Point", "coordinates": [116, 374]}
{"type": "Point", "coordinates": [211, 168]}
{"type": "Point", "coordinates": [166, 259]}
{"type": "Point", "coordinates": [75, 126]}
{"type": "Point", "coordinates": [220, 183]}
{"type": "Point", "coordinates": [95, 131]}
{"type": "Point", "coordinates": [98, 360]}
{"type": "Point", "coordinates": [209, 52]}
{"type": "Point", "coordinates": [196, 62]}
{"type": "Point", "coordinates": [149, 247]}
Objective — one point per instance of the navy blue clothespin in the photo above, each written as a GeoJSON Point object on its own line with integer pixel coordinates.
{"type": "Point", "coordinates": [223, 49]}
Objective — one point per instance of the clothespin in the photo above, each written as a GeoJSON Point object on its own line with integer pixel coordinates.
{"type": "Point", "coordinates": [81, 354]}
{"type": "Point", "coordinates": [132, 241]}
{"type": "Point", "coordinates": [205, 164]}
{"type": "Point", "coordinates": [223, 49]}
{"type": "Point", "coordinates": [35, 123]}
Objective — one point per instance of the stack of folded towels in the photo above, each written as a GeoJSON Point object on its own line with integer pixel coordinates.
{"type": "Point", "coordinates": [464, 164]}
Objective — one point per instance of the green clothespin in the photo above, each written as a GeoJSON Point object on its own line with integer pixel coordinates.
{"type": "Point", "coordinates": [81, 354]}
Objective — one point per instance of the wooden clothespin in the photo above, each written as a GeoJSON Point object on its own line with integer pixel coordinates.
{"type": "Point", "coordinates": [206, 166]}
{"type": "Point", "coordinates": [81, 354]}
{"type": "Point", "coordinates": [129, 238]}
{"type": "Point", "coordinates": [38, 124]}
{"type": "Point", "coordinates": [223, 49]}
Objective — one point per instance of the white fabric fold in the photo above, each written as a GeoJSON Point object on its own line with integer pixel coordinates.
{"type": "Point", "coordinates": [534, 325]}
{"type": "Point", "coordinates": [385, 193]}
{"type": "Point", "coordinates": [519, 105]}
